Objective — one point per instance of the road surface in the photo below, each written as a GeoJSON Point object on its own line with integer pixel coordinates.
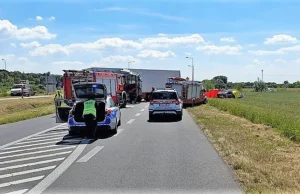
{"type": "Point", "coordinates": [37, 156]}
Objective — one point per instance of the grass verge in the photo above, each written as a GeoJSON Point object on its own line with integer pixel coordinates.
{"type": "Point", "coordinates": [261, 158]}
{"type": "Point", "coordinates": [17, 110]}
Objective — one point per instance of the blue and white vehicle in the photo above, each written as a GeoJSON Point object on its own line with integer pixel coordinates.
{"type": "Point", "coordinates": [165, 102]}
{"type": "Point", "coordinates": [108, 113]}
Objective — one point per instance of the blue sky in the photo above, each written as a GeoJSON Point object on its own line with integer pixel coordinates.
{"type": "Point", "coordinates": [225, 37]}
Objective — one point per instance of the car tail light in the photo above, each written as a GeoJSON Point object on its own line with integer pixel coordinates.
{"type": "Point", "coordinates": [108, 111]}
{"type": "Point", "coordinates": [151, 102]}
{"type": "Point", "coordinates": [71, 113]}
{"type": "Point", "coordinates": [177, 102]}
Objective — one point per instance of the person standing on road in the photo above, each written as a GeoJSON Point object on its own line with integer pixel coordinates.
{"type": "Point", "coordinates": [22, 91]}
{"type": "Point", "coordinates": [90, 117]}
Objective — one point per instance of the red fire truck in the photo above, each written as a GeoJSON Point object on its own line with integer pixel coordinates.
{"type": "Point", "coordinates": [123, 87]}
{"type": "Point", "coordinates": [190, 92]}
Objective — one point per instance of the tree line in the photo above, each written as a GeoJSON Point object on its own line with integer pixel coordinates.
{"type": "Point", "coordinates": [221, 82]}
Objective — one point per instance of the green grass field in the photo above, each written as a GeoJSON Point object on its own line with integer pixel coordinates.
{"type": "Point", "coordinates": [280, 110]}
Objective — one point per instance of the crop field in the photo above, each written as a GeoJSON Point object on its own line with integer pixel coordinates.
{"type": "Point", "coordinates": [278, 110]}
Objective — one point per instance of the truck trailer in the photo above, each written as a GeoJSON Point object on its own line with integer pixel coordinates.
{"type": "Point", "coordinates": [150, 78]}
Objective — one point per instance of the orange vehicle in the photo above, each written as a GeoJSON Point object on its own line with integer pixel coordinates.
{"type": "Point", "coordinates": [190, 92]}
{"type": "Point", "coordinates": [119, 85]}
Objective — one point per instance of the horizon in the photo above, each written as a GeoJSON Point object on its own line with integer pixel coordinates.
{"type": "Point", "coordinates": [225, 37]}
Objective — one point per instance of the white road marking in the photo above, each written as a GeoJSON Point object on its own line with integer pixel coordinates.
{"type": "Point", "coordinates": [30, 145]}
{"type": "Point", "coordinates": [18, 192]}
{"type": "Point", "coordinates": [138, 114]}
{"type": "Point", "coordinates": [26, 172]}
{"type": "Point", "coordinates": [35, 157]}
{"type": "Point", "coordinates": [29, 149]}
{"type": "Point", "coordinates": [46, 136]}
{"type": "Point", "coordinates": [142, 110]}
{"type": "Point", "coordinates": [31, 164]}
{"type": "Point", "coordinates": [130, 121]}
{"type": "Point", "coordinates": [90, 154]}
{"type": "Point", "coordinates": [52, 134]}
{"type": "Point", "coordinates": [129, 106]}
{"type": "Point", "coordinates": [119, 131]}
{"type": "Point", "coordinates": [35, 141]}
{"type": "Point", "coordinates": [37, 152]}
{"type": "Point", "coordinates": [21, 181]}
{"type": "Point", "coordinates": [22, 139]}
{"type": "Point", "coordinates": [46, 182]}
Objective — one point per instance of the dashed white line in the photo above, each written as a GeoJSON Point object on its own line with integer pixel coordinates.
{"type": "Point", "coordinates": [21, 181]}
{"type": "Point", "coordinates": [35, 157]}
{"type": "Point", "coordinates": [90, 154]}
{"type": "Point", "coordinates": [138, 114]}
{"type": "Point", "coordinates": [31, 164]}
{"type": "Point", "coordinates": [119, 131]}
{"type": "Point", "coordinates": [19, 140]}
{"type": "Point", "coordinates": [142, 110]}
{"type": "Point", "coordinates": [18, 191]}
{"type": "Point", "coordinates": [37, 152]}
{"type": "Point", "coordinates": [45, 183]}
{"type": "Point", "coordinates": [130, 121]}
{"type": "Point", "coordinates": [26, 172]}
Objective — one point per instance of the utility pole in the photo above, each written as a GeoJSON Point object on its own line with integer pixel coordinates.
{"type": "Point", "coordinates": [129, 63]}
{"type": "Point", "coordinates": [191, 66]}
{"type": "Point", "coordinates": [262, 75]}
{"type": "Point", "coordinates": [4, 67]}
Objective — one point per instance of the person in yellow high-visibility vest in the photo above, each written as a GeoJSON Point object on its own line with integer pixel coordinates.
{"type": "Point", "coordinates": [90, 115]}
{"type": "Point", "coordinates": [236, 93]}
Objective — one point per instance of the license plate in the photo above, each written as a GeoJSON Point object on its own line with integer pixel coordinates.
{"type": "Point", "coordinates": [164, 105]}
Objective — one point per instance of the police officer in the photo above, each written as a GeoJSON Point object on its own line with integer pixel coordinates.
{"type": "Point", "coordinates": [90, 116]}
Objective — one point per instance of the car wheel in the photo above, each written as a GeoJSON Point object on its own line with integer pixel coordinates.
{"type": "Point", "coordinates": [115, 130]}
{"type": "Point", "coordinates": [150, 116]}
{"type": "Point", "coordinates": [119, 123]}
{"type": "Point", "coordinates": [72, 131]}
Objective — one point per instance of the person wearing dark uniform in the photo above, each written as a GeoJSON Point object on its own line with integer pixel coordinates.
{"type": "Point", "coordinates": [90, 117]}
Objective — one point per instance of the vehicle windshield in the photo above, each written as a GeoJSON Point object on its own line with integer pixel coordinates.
{"type": "Point", "coordinates": [164, 96]}
{"type": "Point", "coordinates": [85, 91]}
{"type": "Point", "coordinates": [17, 86]}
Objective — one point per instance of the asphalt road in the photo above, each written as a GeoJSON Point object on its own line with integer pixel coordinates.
{"type": "Point", "coordinates": [143, 157]}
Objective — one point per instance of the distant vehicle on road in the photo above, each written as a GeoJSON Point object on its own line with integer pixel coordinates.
{"type": "Point", "coordinates": [230, 94]}
{"type": "Point", "coordinates": [108, 113]}
{"type": "Point", "coordinates": [165, 102]}
{"type": "Point", "coordinates": [16, 89]}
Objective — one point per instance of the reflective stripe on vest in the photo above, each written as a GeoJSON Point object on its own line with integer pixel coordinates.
{"type": "Point", "coordinates": [89, 107]}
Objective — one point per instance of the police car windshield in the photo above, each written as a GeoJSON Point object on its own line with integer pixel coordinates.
{"type": "Point", "coordinates": [89, 91]}
{"type": "Point", "coordinates": [164, 96]}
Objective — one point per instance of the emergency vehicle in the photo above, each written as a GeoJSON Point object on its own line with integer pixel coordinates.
{"type": "Point", "coordinates": [123, 86]}
{"type": "Point", "coordinates": [165, 102]}
{"type": "Point", "coordinates": [190, 92]}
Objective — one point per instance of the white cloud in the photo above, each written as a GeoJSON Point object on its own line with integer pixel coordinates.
{"type": "Point", "coordinates": [188, 54]}
{"type": "Point", "coordinates": [52, 18]}
{"type": "Point", "coordinates": [23, 59]}
{"type": "Point", "coordinates": [297, 61]}
{"type": "Point", "coordinates": [33, 44]}
{"type": "Point", "coordinates": [13, 45]}
{"type": "Point", "coordinates": [155, 54]}
{"type": "Point", "coordinates": [161, 34]}
{"type": "Point", "coordinates": [119, 58]}
{"type": "Point", "coordinates": [251, 45]}
{"type": "Point", "coordinates": [227, 39]}
{"type": "Point", "coordinates": [281, 38]}
{"type": "Point", "coordinates": [67, 63]}
{"type": "Point", "coordinates": [64, 65]}
{"type": "Point", "coordinates": [283, 50]}
{"type": "Point", "coordinates": [213, 49]}
{"type": "Point", "coordinates": [165, 41]}
{"type": "Point", "coordinates": [280, 61]}
{"type": "Point", "coordinates": [112, 9]}
{"type": "Point", "coordinates": [98, 64]}
{"type": "Point", "coordinates": [48, 50]}
{"type": "Point", "coordinates": [259, 62]}
{"type": "Point", "coordinates": [38, 18]}
{"type": "Point", "coordinates": [8, 30]}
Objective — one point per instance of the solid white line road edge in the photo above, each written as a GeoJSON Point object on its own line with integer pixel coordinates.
{"type": "Point", "coordinates": [90, 154]}
{"type": "Point", "coordinates": [25, 138]}
{"type": "Point", "coordinates": [46, 182]}
{"type": "Point", "coordinates": [130, 121]}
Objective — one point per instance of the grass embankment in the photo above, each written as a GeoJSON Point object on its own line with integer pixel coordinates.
{"type": "Point", "coordinates": [279, 110]}
{"type": "Point", "coordinates": [22, 109]}
{"type": "Point", "coordinates": [262, 159]}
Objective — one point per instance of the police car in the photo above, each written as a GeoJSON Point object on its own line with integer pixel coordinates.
{"type": "Point", "coordinates": [108, 113]}
{"type": "Point", "coordinates": [165, 102]}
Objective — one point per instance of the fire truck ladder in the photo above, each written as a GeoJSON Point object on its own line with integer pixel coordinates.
{"type": "Point", "coordinates": [79, 76]}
